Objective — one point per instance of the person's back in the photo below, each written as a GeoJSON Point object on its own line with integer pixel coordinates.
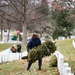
{"type": "Point", "coordinates": [33, 42]}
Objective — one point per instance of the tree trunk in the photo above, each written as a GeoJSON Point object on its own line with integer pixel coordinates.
{"type": "Point", "coordinates": [1, 32]}
{"type": "Point", "coordinates": [8, 31]}
{"type": "Point", "coordinates": [24, 40]}
{"type": "Point", "coordinates": [1, 29]}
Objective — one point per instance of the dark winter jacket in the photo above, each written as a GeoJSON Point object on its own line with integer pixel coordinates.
{"type": "Point", "coordinates": [33, 43]}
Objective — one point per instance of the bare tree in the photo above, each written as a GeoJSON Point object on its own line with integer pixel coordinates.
{"type": "Point", "coordinates": [15, 11]}
{"type": "Point", "coordinates": [22, 12]}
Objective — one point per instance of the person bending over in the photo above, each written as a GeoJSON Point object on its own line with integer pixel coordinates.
{"type": "Point", "coordinates": [34, 42]}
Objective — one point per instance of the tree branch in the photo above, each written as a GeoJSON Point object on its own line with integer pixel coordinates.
{"type": "Point", "coordinates": [9, 15]}
{"type": "Point", "coordinates": [37, 8]}
{"type": "Point", "coordinates": [16, 8]}
{"type": "Point", "coordinates": [8, 19]}
{"type": "Point", "coordinates": [34, 18]}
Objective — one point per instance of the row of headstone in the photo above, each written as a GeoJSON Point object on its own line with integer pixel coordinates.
{"type": "Point", "coordinates": [63, 67]}
{"type": "Point", "coordinates": [63, 38]}
{"type": "Point", "coordinates": [8, 57]}
{"type": "Point", "coordinates": [5, 37]}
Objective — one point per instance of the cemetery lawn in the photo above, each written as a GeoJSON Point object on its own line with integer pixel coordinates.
{"type": "Point", "coordinates": [4, 46]}
{"type": "Point", "coordinates": [66, 48]}
{"type": "Point", "coordinates": [19, 68]}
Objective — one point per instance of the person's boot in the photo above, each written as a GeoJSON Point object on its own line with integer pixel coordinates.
{"type": "Point", "coordinates": [29, 65]}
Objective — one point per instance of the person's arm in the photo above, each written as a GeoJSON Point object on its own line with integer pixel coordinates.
{"type": "Point", "coordinates": [39, 41]}
{"type": "Point", "coordinates": [29, 46]}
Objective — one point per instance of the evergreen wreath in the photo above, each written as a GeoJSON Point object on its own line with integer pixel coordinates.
{"type": "Point", "coordinates": [37, 53]}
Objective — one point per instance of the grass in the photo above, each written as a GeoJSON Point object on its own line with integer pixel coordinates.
{"type": "Point", "coordinates": [4, 46]}
{"type": "Point", "coordinates": [19, 68]}
{"type": "Point", "coordinates": [23, 48]}
{"type": "Point", "coordinates": [65, 47]}
{"type": "Point", "coordinates": [72, 65]}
